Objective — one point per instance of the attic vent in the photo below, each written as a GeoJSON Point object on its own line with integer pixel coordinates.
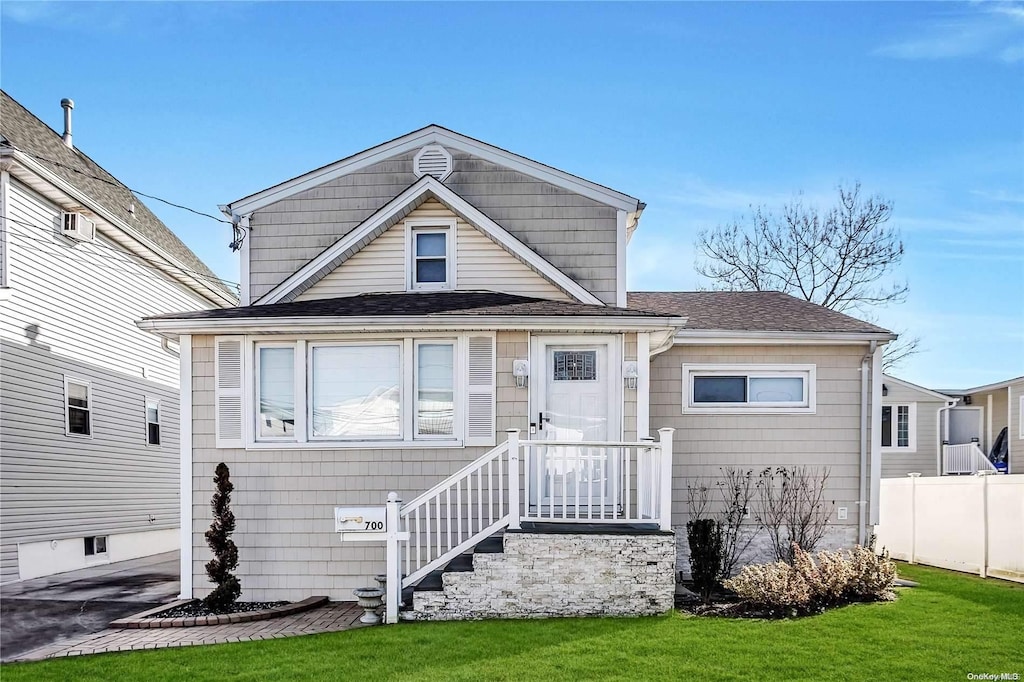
{"type": "Point", "coordinates": [433, 160]}
{"type": "Point", "coordinates": [77, 226]}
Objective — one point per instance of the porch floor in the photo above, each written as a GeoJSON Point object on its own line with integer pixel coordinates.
{"type": "Point", "coordinates": [597, 528]}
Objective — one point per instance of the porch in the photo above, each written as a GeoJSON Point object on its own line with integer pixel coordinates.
{"type": "Point", "coordinates": [538, 528]}
{"type": "Point", "coordinates": [965, 459]}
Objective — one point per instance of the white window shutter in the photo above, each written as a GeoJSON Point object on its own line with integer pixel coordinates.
{"type": "Point", "coordinates": [480, 393]}
{"type": "Point", "coordinates": [228, 371]}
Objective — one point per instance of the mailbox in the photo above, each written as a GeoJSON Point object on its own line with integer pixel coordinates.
{"type": "Point", "coordinates": [360, 520]}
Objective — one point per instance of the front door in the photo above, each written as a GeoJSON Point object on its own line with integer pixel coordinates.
{"type": "Point", "coordinates": [575, 399]}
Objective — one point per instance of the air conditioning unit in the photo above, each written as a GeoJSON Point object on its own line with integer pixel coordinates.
{"type": "Point", "coordinates": [78, 227]}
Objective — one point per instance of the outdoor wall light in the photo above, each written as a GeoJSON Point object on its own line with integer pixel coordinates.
{"type": "Point", "coordinates": [630, 374]}
{"type": "Point", "coordinates": [521, 371]}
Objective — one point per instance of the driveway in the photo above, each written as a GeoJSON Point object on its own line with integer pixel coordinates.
{"type": "Point", "coordinates": [34, 613]}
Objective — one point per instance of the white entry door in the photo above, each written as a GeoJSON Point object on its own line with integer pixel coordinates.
{"type": "Point", "coordinates": [576, 398]}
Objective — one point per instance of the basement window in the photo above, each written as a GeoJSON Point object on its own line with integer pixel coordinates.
{"type": "Point", "coordinates": [96, 545]}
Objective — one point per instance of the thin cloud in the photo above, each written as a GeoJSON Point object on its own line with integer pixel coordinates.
{"type": "Point", "coordinates": [992, 31]}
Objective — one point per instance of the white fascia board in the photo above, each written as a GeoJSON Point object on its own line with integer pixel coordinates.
{"type": "Point", "coordinates": [992, 387]}
{"type": "Point", "coordinates": [720, 337]}
{"type": "Point", "coordinates": [621, 239]}
{"type": "Point", "coordinates": [920, 389]}
{"type": "Point", "coordinates": [429, 185]}
{"type": "Point", "coordinates": [150, 248]}
{"type": "Point", "coordinates": [171, 328]}
{"type": "Point", "coordinates": [447, 138]}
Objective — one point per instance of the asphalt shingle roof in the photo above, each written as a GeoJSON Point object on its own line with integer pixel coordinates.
{"type": "Point", "coordinates": [761, 311]}
{"type": "Point", "coordinates": [425, 304]}
{"type": "Point", "coordinates": [24, 131]}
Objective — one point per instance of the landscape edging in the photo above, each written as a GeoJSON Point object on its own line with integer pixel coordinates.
{"type": "Point", "coordinates": [146, 619]}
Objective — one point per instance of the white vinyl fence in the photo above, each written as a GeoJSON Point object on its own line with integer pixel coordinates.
{"type": "Point", "coordinates": [973, 524]}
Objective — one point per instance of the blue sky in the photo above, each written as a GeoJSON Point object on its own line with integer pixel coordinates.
{"type": "Point", "coordinates": [699, 109]}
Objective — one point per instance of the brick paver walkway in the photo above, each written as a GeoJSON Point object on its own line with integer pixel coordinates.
{"type": "Point", "coordinates": [330, 618]}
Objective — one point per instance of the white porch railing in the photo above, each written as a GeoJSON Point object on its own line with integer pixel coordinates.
{"type": "Point", "coordinates": [965, 458]}
{"type": "Point", "coordinates": [536, 481]}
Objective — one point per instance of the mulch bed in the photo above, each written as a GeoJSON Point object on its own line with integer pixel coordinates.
{"type": "Point", "coordinates": [197, 608]}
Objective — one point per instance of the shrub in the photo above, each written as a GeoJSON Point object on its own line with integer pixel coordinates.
{"type": "Point", "coordinates": [705, 539]}
{"type": "Point", "coordinates": [812, 583]}
{"type": "Point", "coordinates": [225, 554]}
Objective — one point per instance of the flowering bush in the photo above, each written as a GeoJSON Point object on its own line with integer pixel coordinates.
{"type": "Point", "coordinates": [812, 583]}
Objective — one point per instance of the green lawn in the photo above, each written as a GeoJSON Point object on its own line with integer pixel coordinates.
{"type": "Point", "coordinates": [952, 625]}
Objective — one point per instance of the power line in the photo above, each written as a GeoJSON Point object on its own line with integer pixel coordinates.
{"type": "Point", "coordinates": [115, 183]}
{"type": "Point", "coordinates": [199, 275]}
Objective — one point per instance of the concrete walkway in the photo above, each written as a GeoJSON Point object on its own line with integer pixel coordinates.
{"type": "Point", "coordinates": [42, 611]}
{"type": "Point", "coordinates": [330, 618]}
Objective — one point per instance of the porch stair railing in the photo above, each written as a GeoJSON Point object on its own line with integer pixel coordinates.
{"type": "Point", "coordinates": [964, 458]}
{"type": "Point", "coordinates": [536, 481]}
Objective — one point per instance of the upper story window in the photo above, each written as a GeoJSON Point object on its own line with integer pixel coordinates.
{"type": "Point", "coordinates": [899, 427]}
{"type": "Point", "coordinates": [152, 421]}
{"type": "Point", "coordinates": [77, 407]}
{"type": "Point", "coordinates": [431, 258]}
{"type": "Point", "coordinates": [734, 389]}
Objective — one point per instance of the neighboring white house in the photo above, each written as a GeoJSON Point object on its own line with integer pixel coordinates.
{"type": "Point", "coordinates": [913, 422]}
{"type": "Point", "coordinates": [990, 416]}
{"type": "Point", "coordinates": [89, 417]}
{"type": "Point", "coordinates": [445, 319]}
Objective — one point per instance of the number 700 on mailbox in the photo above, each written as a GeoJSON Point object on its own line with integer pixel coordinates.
{"type": "Point", "coordinates": [359, 519]}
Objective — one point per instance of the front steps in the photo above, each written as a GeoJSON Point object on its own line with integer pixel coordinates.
{"type": "Point", "coordinates": [552, 570]}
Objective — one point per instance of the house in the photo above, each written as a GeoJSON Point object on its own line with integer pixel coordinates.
{"type": "Point", "coordinates": [89, 417]}
{"type": "Point", "coordinates": [988, 420]}
{"type": "Point", "coordinates": [913, 427]}
{"type": "Point", "coordinates": [445, 319]}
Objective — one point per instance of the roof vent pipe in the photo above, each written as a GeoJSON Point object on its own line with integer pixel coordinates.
{"type": "Point", "coordinates": [67, 105]}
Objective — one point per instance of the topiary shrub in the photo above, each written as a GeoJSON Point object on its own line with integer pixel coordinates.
{"type": "Point", "coordinates": [705, 539]}
{"type": "Point", "coordinates": [225, 554]}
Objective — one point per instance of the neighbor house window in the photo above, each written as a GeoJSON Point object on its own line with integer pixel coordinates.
{"type": "Point", "coordinates": [275, 391]}
{"type": "Point", "coordinates": [899, 427]}
{"type": "Point", "coordinates": [78, 407]}
{"type": "Point", "coordinates": [749, 388]}
{"type": "Point", "coordinates": [152, 421]}
{"type": "Point", "coordinates": [96, 544]}
{"type": "Point", "coordinates": [355, 391]}
{"type": "Point", "coordinates": [431, 254]}
{"type": "Point", "coordinates": [435, 389]}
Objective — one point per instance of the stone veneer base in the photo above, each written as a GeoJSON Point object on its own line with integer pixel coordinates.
{"type": "Point", "coordinates": [559, 575]}
{"type": "Point", "coordinates": [150, 618]}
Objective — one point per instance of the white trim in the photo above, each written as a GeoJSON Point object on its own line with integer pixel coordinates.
{"type": "Point", "coordinates": [456, 382]}
{"type": "Point", "coordinates": [621, 239]}
{"type": "Point", "coordinates": [404, 323]}
{"type": "Point", "coordinates": [643, 385]}
{"type": "Point", "coordinates": [67, 408]}
{"type": "Point", "coordinates": [1020, 426]}
{"type": "Point", "coordinates": [434, 134]}
{"type": "Point", "coordinates": [988, 422]}
{"type": "Point", "coordinates": [991, 387]}
{"type": "Point", "coordinates": [914, 387]}
{"type": "Point", "coordinates": [5, 202]}
{"type": "Point", "coordinates": [807, 372]}
{"type": "Point", "coordinates": [244, 294]}
{"type": "Point", "coordinates": [432, 148]}
{"type": "Point", "coordinates": [257, 397]}
{"type": "Point", "coordinates": [911, 446]}
{"type": "Point", "coordinates": [539, 344]}
{"type": "Point", "coordinates": [876, 433]}
{"type": "Point", "coordinates": [146, 401]}
{"type": "Point", "coordinates": [717, 337]}
{"type": "Point", "coordinates": [427, 185]}
{"type": "Point", "coordinates": [418, 226]}
{"type": "Point", "coordinates": [185, 468]}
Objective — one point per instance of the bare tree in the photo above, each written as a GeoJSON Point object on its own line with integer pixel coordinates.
{"type": "Point", "coordinates": [791, 506]}
{"type": "Point", "coordinates": [737, 488]}
{"type": "Point", "coordinates": [842, 257]}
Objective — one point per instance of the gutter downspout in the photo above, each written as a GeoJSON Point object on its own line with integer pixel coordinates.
{"type": "Point", "coordinates": [950, 404]}
{"type": "Point", "coordinates": [165, 343]}
{"type": "Point", "coordinates": [862, 501]}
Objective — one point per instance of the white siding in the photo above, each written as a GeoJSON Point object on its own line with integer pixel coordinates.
{"type": "Point", "coordinates": [380, 267]}
{"type": "Point", "coordinates": [73, 312]}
